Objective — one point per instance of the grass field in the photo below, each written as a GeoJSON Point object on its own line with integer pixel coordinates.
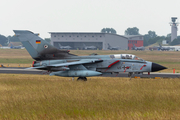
{"type": "Point", "coordinates": [50, 97]}
{"type": "Point", "coordinates": [44, 97]}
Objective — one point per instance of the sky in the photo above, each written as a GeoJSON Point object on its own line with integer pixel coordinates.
{"type": "Point", "coordinates": [44, 16]}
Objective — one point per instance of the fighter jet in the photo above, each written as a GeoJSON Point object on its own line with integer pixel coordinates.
{"type": "Point", "coordinates": [16, 47]}
{"type": "Point", "coordinates": [89, 47]}
{"type": "Point", "coordinates": [164, 48]}
{"type": "Point", "coordinates": [138, 48]}
{"type": "Point", "coordinates": [112, 48]}
{"type": "Point", "coordinates": [62, 63]}
{"type": "Point", "coordinates": [64, 47]}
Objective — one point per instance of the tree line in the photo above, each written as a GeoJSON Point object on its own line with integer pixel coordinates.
{"type": "Point", "coordinates": [4, 41]}
{"type": "Point", "coordinates": [150, 38]}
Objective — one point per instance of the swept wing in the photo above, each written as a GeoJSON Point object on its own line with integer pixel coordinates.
{"type": "Point", "coordinates": [80, 62]}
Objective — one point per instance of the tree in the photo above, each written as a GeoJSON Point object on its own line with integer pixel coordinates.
{"type": "Point", "coordinates": [132, 31]}
{"type": "Point", "coordinates": [108, 30]}
{"type": "Point", "coordinates": [152, 34]}
{"type": "Point", "coordinates": [175, 42]}
{"type": "Point", "coordinates": [13, 39]}
{"type": "Point", "coordinates": [147, 37]}
{"type": "Point", "coordinates": [145, 43]}
{"type": "Point", "coordinates": [156, 39]}
{"type": "Point", "coordinates": [3, 40]}
{"type": "Point", "coordinates": [168, 35]}
{"type": "Point", "coordinates": [168, 38]}
{"type": "Point", "coordinates": [103, 30]}
{"type": "Point", "coordinates": [113, 31]}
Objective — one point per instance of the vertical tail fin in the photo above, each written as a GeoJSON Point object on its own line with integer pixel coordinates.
{"type": "Point", "coordinates": [59, 46]}
{"type": "Point", "coordinates": [84, 45]}
{"type": "Point", "coordinates": [134, 45]}
{"type": "Point", "coordinates": [109, 47]}
{"type": "Point", "coordinates": [160, 45]}
{"type": "Point", "coordinates": [36, 46]}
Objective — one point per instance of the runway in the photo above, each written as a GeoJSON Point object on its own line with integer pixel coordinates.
{"type": "Point", "coordinates": [20, 70]}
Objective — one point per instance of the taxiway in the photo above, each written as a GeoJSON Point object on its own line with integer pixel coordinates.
{"type": "Point", "coordinates": [20, 70]}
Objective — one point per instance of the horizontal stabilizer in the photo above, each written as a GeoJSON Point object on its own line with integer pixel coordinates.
{"type": "Point", "coordinates": [37, 67]}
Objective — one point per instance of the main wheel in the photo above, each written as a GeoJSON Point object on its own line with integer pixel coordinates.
{"type": "Point", "coordinates": [82, 78]}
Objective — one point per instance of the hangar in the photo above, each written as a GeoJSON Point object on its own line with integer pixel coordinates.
{"type": "Point", "coordinates": [77, 40]}
{"type": "Point", "coordinates": [97, 40]}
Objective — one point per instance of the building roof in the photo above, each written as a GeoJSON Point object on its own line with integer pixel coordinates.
{"type": "Point", "coordinates": [15, 43]}
{"type": "Point", "coordinates": [131, 36]}
{"type": "Point", "coordinates": [86, 33]}
{"type": "Point", "coordinates": [76, 33]}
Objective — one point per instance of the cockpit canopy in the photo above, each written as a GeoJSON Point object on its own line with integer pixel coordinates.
{"type": "Point", "coordinates": [126, 56]}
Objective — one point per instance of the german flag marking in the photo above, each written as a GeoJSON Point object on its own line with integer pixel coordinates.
{"type": "Point", "coordinates": [38, 41]}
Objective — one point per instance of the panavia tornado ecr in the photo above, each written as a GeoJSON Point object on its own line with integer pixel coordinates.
{"type": "Point", "coordinates": [62, 63]}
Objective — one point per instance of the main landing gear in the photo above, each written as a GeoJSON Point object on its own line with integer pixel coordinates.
{"type": "Point", "coordinates": [130, 74]}
{"type": "Point", "coordinates": [82, 78]}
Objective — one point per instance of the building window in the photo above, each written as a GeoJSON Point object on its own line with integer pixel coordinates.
{"type": "Point", "coordinates": [84, 36]}
{"type": "Point", "coordinates": [77, 36]}
{"type": "Point", "coordinates": [100, 36]}
{"type": "Point", "coordinates": [55, 36]}
{"type": "Point", "coordinates": [92, 36]}
{"type": "Point", "coordinates": [69, 36]}
{"type": "Point", "coordinates": [62, 36]}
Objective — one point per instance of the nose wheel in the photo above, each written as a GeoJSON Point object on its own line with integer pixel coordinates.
{"type": "Point", "coordinates": [82, 78]}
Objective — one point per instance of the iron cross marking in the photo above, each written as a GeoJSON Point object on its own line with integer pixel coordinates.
{"type": "Point", "coordinates": [124, 67]}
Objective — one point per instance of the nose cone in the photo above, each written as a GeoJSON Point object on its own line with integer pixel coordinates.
{"type": "Point", "coordinates": [156, 67]}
